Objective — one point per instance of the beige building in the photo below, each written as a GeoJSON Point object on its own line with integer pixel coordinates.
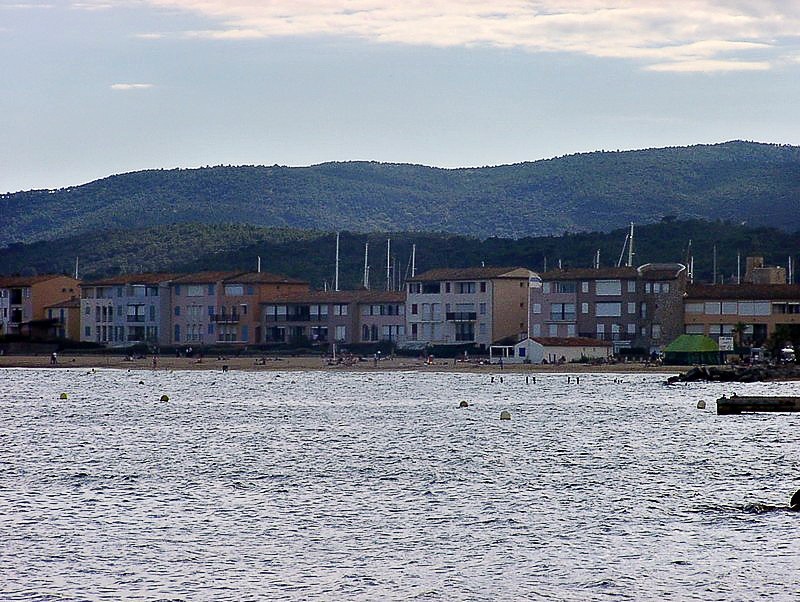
{"type": "Point", "coordinates": [758, 309]}
{"type": "Point", "coordinates": [66, 319]}
{"type": "Point", "coordinates": [478, 306]}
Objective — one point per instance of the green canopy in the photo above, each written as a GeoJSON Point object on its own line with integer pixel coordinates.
{"type": "Point", "coordinates": [690, 349]}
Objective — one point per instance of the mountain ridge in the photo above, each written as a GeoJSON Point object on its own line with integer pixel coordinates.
{"type": "Point", "coordinates": [597, 191]}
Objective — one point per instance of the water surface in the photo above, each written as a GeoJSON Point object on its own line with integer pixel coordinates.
{"type": "Point", "coordinates": [375, 486]}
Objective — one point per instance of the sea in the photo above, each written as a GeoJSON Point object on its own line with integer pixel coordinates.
{"type": "Point", "coordinates": [327, 485]}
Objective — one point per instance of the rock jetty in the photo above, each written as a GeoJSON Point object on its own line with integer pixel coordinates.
{"type": "Point", "coordinates": [737, 374]}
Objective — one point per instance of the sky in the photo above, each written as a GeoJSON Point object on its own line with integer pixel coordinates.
{"type": "Point", "coordinates": [96, 87]}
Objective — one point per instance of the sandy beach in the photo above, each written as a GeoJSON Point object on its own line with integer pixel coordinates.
{"type": "Point", "coordinates": [311, 363]}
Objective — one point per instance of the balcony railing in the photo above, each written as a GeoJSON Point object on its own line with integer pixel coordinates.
{"type": "Point", "coordinates": [461, 316]}
{"type": "Point", "coordinates": [135, 319]}
{"type": "Point", "coordinates": [225, 318]}
{"type": "Point", "coordinates": [607, 336]}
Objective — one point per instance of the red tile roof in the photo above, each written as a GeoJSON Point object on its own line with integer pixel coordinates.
{"type": "Point", "coordinates": [762, 292]}
{"type": "Point", "coordinates": [13, 281]}
{"type": "Point", "coordinates": [263, 278]}
{"type": "Point", "coordinates": [466, 273]}
{"type": "Point", "coordinates": [589, 274]}
{"type": "Point", "coordinates": [204, 277]}
{"type": "Point", "coordinates": [124, 279]}
{"type": "Point", "coordinates": [571, 342]}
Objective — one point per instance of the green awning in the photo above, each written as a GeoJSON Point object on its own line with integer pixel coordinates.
{"type": "Point", "coordinates": [692, 343]}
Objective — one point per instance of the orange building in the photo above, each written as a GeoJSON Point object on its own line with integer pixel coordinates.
{"type": "Point", "coordinates": [66, 319]}
{"type": "Point", "coordinates": [24, 301]}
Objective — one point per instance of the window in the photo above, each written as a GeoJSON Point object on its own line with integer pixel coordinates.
{"type": "Point", "coordinates": [562, 311]}
{"type": "Point", "coordinates": [546, 288]}
{"type": "Point", "coordinates": [446, 287]}
{"type": "Point", "coordinates": [608, 288]}
{"type": "Point", "coordinates": [712, 308]}
{"type": "Point", "coordinates": [537, 308]}
{"type": "Point", "coordinates": [152, 313]}
{"type": "Point", "coordinates": [465, 288]}
{"type": "Point", "coordinates": [730, 308]}
{"type": "Point", "coordinates": [483, 287]}
{"type": "Point", "coordinates": [584, 287]}
{"type": "Point", "coordinates": [234, 290]}
{"type": "Point", "coordinates": [631, 286]}
{"type": "Point", "coordinates": [341, 332]}
{"type": "Point", "coordinates": [483, 329]}
{"type": "Point", "coordinates": [631, 308]}
{"type": "Point", "coordinates": [564, 287]}
{"type": "Point", "coordinates": [608, 309]}
{"type": "Point", "coordinates": [250, 291]}
{"type": "Point", "coordinates": [643, 310]}
{"type": "Point", "coordinates": [552, 330]}
{"type": "Point", "coordinates": [178, 289]}
{"type": "Point", "coordinates": [536, 330]}
{"type": "Point", "coordinates": [431, 288]}
{"type": "Point", "coordinates": [695, 308]}
{"type": "Point", "coordinates": [87, 331]}
{"type": "Point", "coordinates": [340, 309]}
{"type": "Point", "coordinates": [601, 329]}
{"type": "Point", "coordinates": [695, 329]}
{"type": "Point", "coordinates": [648, 287]}
{"type": "Point", "coordinates": [414, 309]}
{"type": "Point", "coordinates": [414, 288]}
{"type": "Point", "coordinates": [87, 310]}
{"type": "Point", "coordinates": [521, 352]}
{"type": "Point", "coordinates": [177, 333]}
{"type": "Point", "coordinates": [211, 328]}
{"type": "Point", "coordinates": [632, 329]}
{"type": "Point", "coordinates": [210, 310]}
{"type": "Point", "coordinates": [210, 290]}
{"type": "Point", "coordinates": [570, 330]}
{"type": "Point", "coordinates": [584, 308]}
{"type": "Point", "coordinates": [656, 331]}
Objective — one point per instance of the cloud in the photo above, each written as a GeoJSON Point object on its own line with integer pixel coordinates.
{"type": "Point", "coordinates": [27, 5]}
{"type": "Point", "coordinates": [713, 35]}
{"type": "Point", "coordinates": [131, 86]}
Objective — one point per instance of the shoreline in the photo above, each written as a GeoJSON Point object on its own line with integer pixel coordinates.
{"type": "Point", "coordinates": [253, 364]}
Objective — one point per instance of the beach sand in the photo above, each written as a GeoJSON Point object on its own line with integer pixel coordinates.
{"type": "Point", "coordinates": [251, 363]}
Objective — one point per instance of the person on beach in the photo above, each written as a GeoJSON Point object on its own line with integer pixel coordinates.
{"type": "Point", "coordinates": [53, 359]}
{"type": "Point", "coordinates": [155, 362]}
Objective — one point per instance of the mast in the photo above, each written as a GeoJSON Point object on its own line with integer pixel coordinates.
{"type": "Point", "coordinates": [366, 265]}
{"type": "Point", "coordinates": [413, 260]}
{"type": "Point", "coordinates": [622, 252]}
{"type": "Point", "coordinates": [738, 268]}
{"type": "Point", "coordinates": [715, 264]}
{"type": "Point", "coordinates": [630, 248]}
{"type": "Point", "coordinates": [597, 260]}
{"type": "Point", "coordinates": [259, 264]}
{"type": "Point", "coordinates": [76, 268]}
{"type": "Point", "coordinates": [336, 275]}
{"type": "Point", "coordinates": [388, 264]}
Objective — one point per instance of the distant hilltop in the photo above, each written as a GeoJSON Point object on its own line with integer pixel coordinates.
{"type": "Point", "coordinates": [738, 181]}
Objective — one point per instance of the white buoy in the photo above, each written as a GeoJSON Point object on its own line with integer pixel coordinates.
{"type": "Point", "coordinates": [505, 415]}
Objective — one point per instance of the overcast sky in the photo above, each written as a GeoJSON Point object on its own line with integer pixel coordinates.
{"type": "Point", "coordinates": [98, 87]}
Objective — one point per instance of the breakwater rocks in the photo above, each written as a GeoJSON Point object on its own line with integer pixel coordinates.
{"type": "Point", "coordinates": [737, 374]}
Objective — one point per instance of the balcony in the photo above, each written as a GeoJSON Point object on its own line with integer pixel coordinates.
{"type": "Point", "coordinates": [461, 316]}
{"type": "Point", "coordinates": [225, 318]}
{"type": "Point", "coordinates": [135, 319]}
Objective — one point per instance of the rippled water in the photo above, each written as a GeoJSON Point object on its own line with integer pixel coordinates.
{"type": "Point", "coordinates": [341, 486]}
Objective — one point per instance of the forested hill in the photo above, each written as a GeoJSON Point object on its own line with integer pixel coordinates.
{"type": "Point", "coordinates": [310, 255]}
{"type": "Point", "coordinates": [739, 181]}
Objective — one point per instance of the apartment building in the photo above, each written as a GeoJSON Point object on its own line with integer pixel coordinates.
{"type": "Point", "coordinates": [630, 307]}
{"type": "Point", "coordinates": [344, 317]}
{"type": "Point", "coordinates": [750, 313]}
{"type": "Point", "coordinates": [480, 306]}
{"type": "Point", "coordinates": [210, 308]}
{"type": "Point", "coordinates": [65, 317]}
{"type": "Point", "coordinates": [24, 300]}
{"type": "Point", "coordinates": [126, 310]}
{"type": "Point", "coordinates": [239, 317]}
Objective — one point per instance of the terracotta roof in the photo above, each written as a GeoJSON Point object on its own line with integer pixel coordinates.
{"type": "Point", "coordinates": [589, 274]}
{"type": "Point", "coordinates": [204, 277]}
{"type": "Point", "coordinates": [12, 281]}
{"type": "Point", "coordinates": [359, 296]}
{"type": "Point", "coordinates": [763, 292]}
{"type": "Point", "coordinates": [148, 278]}
{"type": "Point", "coordinates": [263, 278]}
{"type": "Point", "coordinates": [70, 303]}
{"type": "Point", "coordinates": [571, 342]}
{"type": "Point", "coordinates": [466, 273]}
